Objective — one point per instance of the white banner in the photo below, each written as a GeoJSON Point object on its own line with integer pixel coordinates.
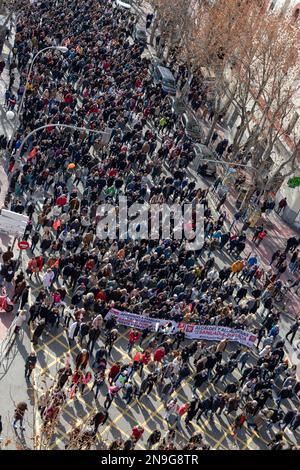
{"type": "Point", "coordinates": [208, 332]}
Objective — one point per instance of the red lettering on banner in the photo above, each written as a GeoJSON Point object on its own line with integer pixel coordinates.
{"type": "Point", "coordinates": [211, 333]}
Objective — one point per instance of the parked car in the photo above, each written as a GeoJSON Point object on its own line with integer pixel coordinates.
{"type": "Point", "coordinates": [165, 77]}
{"type": "Point", "coordinates": [139, 34]}
{"type": "Point", "coordinates": [178, 106]}
{"type": "Point", "coordinates": [202, 153]}
{"type": "Point", "coordinates": [192, 128]}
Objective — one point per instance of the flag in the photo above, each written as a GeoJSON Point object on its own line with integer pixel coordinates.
{"type": "Point", "coordinates": [32, 153]}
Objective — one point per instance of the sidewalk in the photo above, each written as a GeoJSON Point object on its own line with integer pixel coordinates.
{"type": "Point", "coordinates": [6, 128]}
{"type": "Point", "coordinates": [15, 389]}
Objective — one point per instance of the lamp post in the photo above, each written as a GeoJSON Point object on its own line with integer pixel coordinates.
{"type": "Point", "coordinates": [10, 114]}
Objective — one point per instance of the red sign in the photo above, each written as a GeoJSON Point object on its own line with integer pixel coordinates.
{"type": "Point", "coordinates": [23, 245]}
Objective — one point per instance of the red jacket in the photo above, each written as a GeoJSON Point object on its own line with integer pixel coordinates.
{"type": "Point", "coordinates": [101, 295]}
{"type": "Point", "coordinates": [137, 433]}
{"type": "Point", "coordinates": [114, 370]}
{"type": "Point", "coordinates": [159, 354]}
{"type": "Point", "coordinates": [68, 98]}
{"type": "Point", "coordinates": [134, 337]}
{"type": "Point", "coordinates": [61, 201]}
{"type": "Point", "coordinates": [146, 358]}
{"type": "Point", "coordinates": [40, 262]}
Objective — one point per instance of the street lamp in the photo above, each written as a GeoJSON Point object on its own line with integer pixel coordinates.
{"type": "Point", "coordinates": [10, 114]}
{"type": "Point", "coordinates": [63, 49]}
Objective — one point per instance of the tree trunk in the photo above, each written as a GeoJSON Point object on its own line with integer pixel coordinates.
{"type": "Point", "coordinates": [212, 128]}
{"type": "Point", "coordinates": [218, 113]}
{"type": "Point", "coordinates": [236, 142]}
{"type": "Point", "coordinates": [186, 87]}
{"type": "Point", "coordinates": [153, 30]}
{"type": "Point", "coordinates": [166, 57]}
{"type": "Point", "coordinates": [2, 38]}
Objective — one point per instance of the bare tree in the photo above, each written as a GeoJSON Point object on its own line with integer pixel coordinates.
{"type": "Point", "coordinates": [265, 94]}
{"type": "Point", "coordinates": [217, 33]}
{"type": "Point", "coordinates": [173, 19]}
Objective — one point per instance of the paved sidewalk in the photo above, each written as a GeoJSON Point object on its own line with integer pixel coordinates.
{"type": "Point", "coordinates": [6, 126]}
{"type": "Point", "coordinates": [14, 389]}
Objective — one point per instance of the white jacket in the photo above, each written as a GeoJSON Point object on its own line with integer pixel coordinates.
{"type": "Point", "coordinates": [71, 332]}
{"type": "Point", "coordinates": [48, 278]}
{"type": "Point", "coordinates": [98, 321]}
{"type": "Point", "coordinates": [20, 320]}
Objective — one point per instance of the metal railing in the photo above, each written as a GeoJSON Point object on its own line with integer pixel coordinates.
{"type": "Point", "coordinates": [8, 341]}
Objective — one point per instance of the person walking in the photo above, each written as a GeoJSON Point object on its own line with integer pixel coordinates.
{"type": "Point", "coordinates": [204, 407]}
{"type": "Point", "coordinates": [134, 336]}
{"type": "Point", "coordinates": [99, 419]}
{"type": "Point", "coordinates": [24, 298]}
{"type": "Point", "coordinates": [21, 318]}
{"type": "Point", "coordinates": [294, 262]}
{"type": "Point", "coordinates": [221, 202]}
{"type": "Point", "coordinates": [83, 331]}
{"type": "Point", "coordinates": [281, 206]}
{"type": "Point", "coordinates": [261, 235]}
{"type": "Point", "coordinates": [153, 439]}
{"type": "Point", "coordinates": [136, 433]}
{"type": "Point", "coordinates": [20, 410]}
{"type": "Point", "coordinates": [287, 419]}
{"type": "Point", "coordinates": [30, 365]}
{"type": "Point", "coordinates": [275, 255]}
{"type": "Point", "coordinates": [94, 334]}
{"type": "Point", "coordinates": [73, 332]}
{"type": "Point", "coordinates": [63, 375]}
{"type": "Point", "coordinates": [257, 230]}
{"type": "Point", "coordinates": [113, 372]}
{"type": "Point", "coordinates": [111, 394]}
{"type": "Point", "coordinates": [244, 358]}
{"type": "Point", "coordinates": [199, 379]}
{"type": "Point", "coordinates": [284, 394]}
{"type": "Point", "coordinates": [292, 331]}
{"type": "Point", "coordinates": [38, 331]}
{"type": "Point", "coordinates": [192, 410]}
{"type": "Point", "coordinates": [82, 359]}
{"type": "Point", "coordinates": [99, 379]}
{"type": "Point", "coordinates": [291, 244]}
{"type": "Point", "coordinates": [111, 338]}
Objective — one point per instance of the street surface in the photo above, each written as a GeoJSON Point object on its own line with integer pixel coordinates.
{"type": "Point", "coordinates": [54, 350]}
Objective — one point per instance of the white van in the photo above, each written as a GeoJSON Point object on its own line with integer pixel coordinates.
{"type": "Point", "coordinates": [124, 4]}
{"type": "Point", "coordinates": [165, 77]}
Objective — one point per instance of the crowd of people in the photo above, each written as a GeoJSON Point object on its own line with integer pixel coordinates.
{"type": "Point", "coordinates": [60, 179]}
